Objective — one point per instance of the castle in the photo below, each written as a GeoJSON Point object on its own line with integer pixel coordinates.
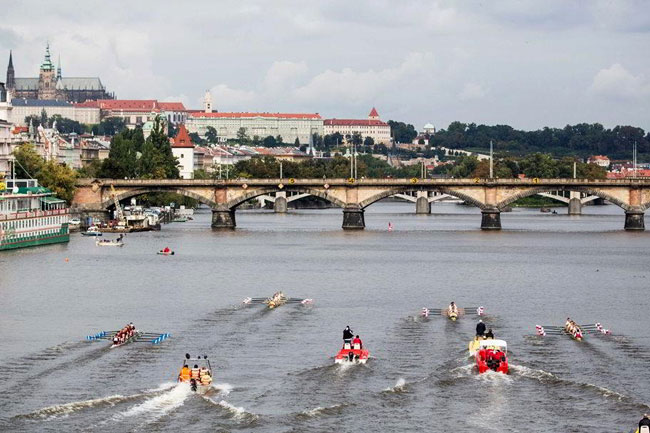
{"type": "Point", "coordinates": [51, 85]}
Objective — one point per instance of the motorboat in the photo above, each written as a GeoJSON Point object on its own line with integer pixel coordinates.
{"type": "Point", "coordinates": [492, 355]}
{"type": "Point", "coordinates": [199, 386]}
{"type": "Point", "coordinates": [350, 354]}
{"type": "Point", "coordinates": [166, 253]}
{"type": "Point", "coordinates": [92, 231]}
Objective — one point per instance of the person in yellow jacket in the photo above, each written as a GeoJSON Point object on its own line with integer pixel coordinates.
{"type": "Point", "coordinates": [184, 375]}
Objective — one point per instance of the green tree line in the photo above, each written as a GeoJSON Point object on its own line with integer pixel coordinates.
{"type": "Point", "coordinates": [580, 140]}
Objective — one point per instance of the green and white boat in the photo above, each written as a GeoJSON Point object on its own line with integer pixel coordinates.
{"type": "Point", "coordinates": [30, 215]}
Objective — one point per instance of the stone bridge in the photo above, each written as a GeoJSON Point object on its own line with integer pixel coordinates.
{"type": "Point", "coordinates": [93, 196]}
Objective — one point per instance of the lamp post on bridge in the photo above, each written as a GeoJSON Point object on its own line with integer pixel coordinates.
{"type": "Point", "coordinates": [491, 161]}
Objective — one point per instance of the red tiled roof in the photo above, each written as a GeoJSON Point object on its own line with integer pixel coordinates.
{"type": "Point", "coordinates": [182, 139]}
{"type": "Point", "coordinates": [172, 106]}
{"type": "Point", "coordinates": [373, 113]}
{"type": "Point", "coordinates": [144, 105]}
{"type": "Point", "coordinates": [271, 115]}
{"type": "Point", "coordinates": [351, 122]}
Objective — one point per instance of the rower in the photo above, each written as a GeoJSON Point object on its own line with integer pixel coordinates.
{"type": "Point", "coordinates": [184, 375]}
{"type": "Point", "coordinates": [347, 335]}
{"type": "Point", "coordinates": [489, 334]}
{"type": "Point", "coordinates": [644, 424]}
{"type": "Point", "coordinates": [480, 328]}
{"type": "Point", "coordinates": [452, 308]}
{"type": "Point", "coordinates": [357, 344]}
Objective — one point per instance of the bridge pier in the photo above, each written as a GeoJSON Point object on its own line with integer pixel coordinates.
{"type": "Point", "coordinates": [491, 219]}
{"type": "Point", "coordinates": [422, 205]}
{"type": "Point", "coordinates": [575, 206]}
{"type": "Point", "coordinates": [353, 218]}
{"type": "Point", "coordinates": [280, 203]}
{"type": "Point", "coordinates": [634, 220]}
{"type": "Point", "coordinates": [223, 218]}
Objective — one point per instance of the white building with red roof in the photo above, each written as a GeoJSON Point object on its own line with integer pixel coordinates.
{"type": "Point", "coordinates": [372, 127]}
{"type": "Point", "coordinates": [287, 125]}
{"type": "Point", "coordinates": [183, 150]}
{"type": "Point", "coordinates": [601, 160]}
{"type": "Point", "coordinates": [139, 111]}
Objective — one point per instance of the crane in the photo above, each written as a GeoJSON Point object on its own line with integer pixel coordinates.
{"type": "Point", "coordinates": [118, 208]}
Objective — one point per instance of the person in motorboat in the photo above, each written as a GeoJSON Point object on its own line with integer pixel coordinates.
{"type": "Point", "coordinates": [205, 377]}
{"type": "Point", "coordinates": [453, 308]}
{"type": "Point", "coordinates": [347, 335]}
{"type": "Point", "coordinates": [195, 373]}
{"type": "Point", "coordinates": [644, 424]}
{"type": "Point", "coordinates": [480, 328]}
{"type": "Point", "coordinates": [357, 344]}
{"type": "Point", "coordinates": [489, 334]}
{"type": "Point", "coordinates": [185, 374]}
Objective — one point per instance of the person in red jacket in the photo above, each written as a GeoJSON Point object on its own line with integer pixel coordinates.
{"type": "Point", "coordinates": [358, 341]}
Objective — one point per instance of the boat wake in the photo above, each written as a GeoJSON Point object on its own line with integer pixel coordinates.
{"type": "Point", "coordinates": [65, 409]}
{"type": "Point", "coordinates": [222, 388]}
{"type": "Point", "coordinates": [160, 405]}
{"type": "Point", "coordinates": [545, 377]}
{"type": "Point", "coordinates": [399, 387]}
{"type": "Point", "coordinates": [232, 411]}
{"type": "Point", "coordinates": [322, 411]}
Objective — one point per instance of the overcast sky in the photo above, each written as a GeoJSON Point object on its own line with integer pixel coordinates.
{"type": "Point", "coordinates": [525, 63]}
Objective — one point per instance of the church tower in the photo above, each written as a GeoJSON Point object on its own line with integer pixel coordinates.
{"type": "Point", "coordinates": [11, 77]}
{"type": "Point", "coordinates": [207, 102]}
{"type": "Point", "coordinates": [373, 114]}
{"type": "Point", "coordinates": [47, 78]}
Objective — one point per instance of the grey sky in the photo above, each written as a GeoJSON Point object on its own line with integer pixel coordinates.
{"type": "Point", "coordinates": [524, 63]}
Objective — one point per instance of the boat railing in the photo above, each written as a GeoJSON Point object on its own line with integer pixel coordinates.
{"type": "Point", "coordinates": [33, 214]}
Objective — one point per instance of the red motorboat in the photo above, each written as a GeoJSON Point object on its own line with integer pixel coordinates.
{"type": "Point", "coordinates": [351, 355]}
{"type": "Point", "coordinates": [492, 355]}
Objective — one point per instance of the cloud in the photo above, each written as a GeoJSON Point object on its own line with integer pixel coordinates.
{"type": "Point", "coordinates": [283, 74]}
{"type": "Point", "coordinates": [225, 98]}
{"type": "Point", "coordinates": [353, 86]}
{"type": "Point", "coordinates": [471, 91]}
{"type": "Point", "coordinates": [616, 82]}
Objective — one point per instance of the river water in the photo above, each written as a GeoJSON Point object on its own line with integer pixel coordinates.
{"type": "Point", "coordinates": [274, 370]}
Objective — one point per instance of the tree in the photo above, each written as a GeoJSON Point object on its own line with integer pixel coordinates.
{"type": "Point", "coordinates": [402, 132]}
{"type": "Point", "coordinates": [157, 160]}
{"type": "Point", "coordinates": [121, 162]}
{"type": "Point", "coordinates": [196, 139]}
{"type": "Point", "coordinates": [539, 165]}
{"type": "Point", "coordinates": [368, 141]}
{"type": "Point", "coordinates": [278, 140]}
{"type": "Point", "coordinates": [32, 120]}
{"type": "Point", "coordinates": [297, 142]}
{"type": "Point", "coordinates": [66, 126]}
{"type": "Point", "coordinates": [57, 177]}
{"type": "Point", "coordinates": [269, 141]}
{"type": "Point", "coordinates": [109, 126]}
{"type": "Point", "coordinates": [211, 135]}
{"type": "Point", "coordinates": [43, 119]}
{"type": "Point", "coordinates": [28, 161]}
{"type": "Point", "coordinates": [242, 137]}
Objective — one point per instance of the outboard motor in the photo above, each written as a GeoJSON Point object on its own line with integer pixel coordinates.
{"type": "Point", "coordinates": [193, 384]}
{"type": "Point", "coordinates": [350, 356]}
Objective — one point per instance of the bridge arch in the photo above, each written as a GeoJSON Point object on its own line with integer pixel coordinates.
{"type": "Point", "coordinates": [375, 198]}
{"type": "Point", "coordinates": [541, 189]}
{"type": "Point", "coordinates": [235, 202]}
{"type": "Point", "coordinates": [140, 191]}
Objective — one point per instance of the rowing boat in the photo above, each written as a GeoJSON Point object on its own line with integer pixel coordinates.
{"type": "Point", "coordinates": [109, 243]}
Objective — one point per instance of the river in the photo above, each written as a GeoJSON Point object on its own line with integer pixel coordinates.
{"type": "Point", "coordinates": [274, 370]}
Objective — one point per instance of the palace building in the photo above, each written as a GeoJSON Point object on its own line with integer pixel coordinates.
{"type": "Point", "coordinates": [372, 127]}
{"type": "Point", "coordinates": [52, 85]}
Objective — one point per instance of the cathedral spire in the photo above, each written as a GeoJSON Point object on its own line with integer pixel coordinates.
{"type": "Point", "coordinates": [58, 68]}
{"type": "Point", "coordinates": [11, 81]}
{"type": "Point", "coordinates": [47, 63]}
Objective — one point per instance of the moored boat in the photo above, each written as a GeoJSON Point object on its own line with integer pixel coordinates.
{"type": "Point", "coordinates": [30, 215]}
{"type": "Point", "coordinates": [92, 231]}
{"type": "Point", "coordinates": [492, 355]}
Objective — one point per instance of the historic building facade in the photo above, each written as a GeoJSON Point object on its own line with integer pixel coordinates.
{"type": "Point", "coordinates": [51, 85]}
{"type": "Point", "coordinates": [372, 127]}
